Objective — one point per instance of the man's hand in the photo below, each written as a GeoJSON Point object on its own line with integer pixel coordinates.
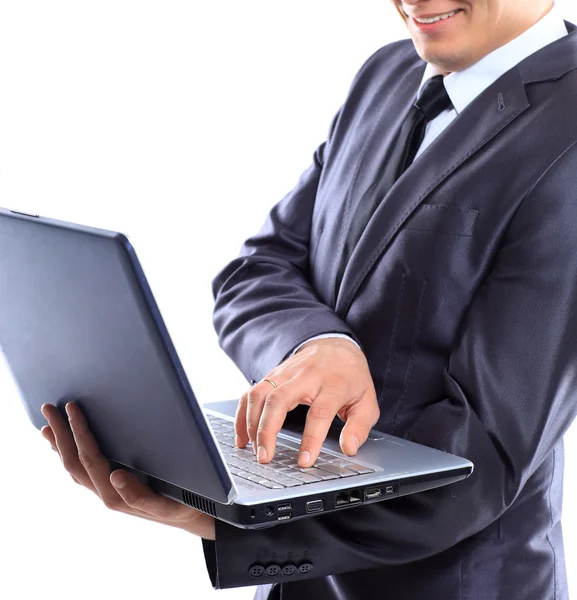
{"type": "Point", "coordinates": [330, 375]}
{"type": "Point", "coordinates": [120, 490]}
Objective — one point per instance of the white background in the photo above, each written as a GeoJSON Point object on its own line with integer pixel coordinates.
{"type": "Point", "coordinates": [180, 124]}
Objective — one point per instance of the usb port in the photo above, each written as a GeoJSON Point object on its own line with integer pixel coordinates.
{"type": "Point", "coordinates": [285, 517]}
{"type": "Point", "coordinates": [372, 493]}
{"type": "Point", "coordinates": [284, 507]}
{"type": "Point", "coordinates": [315, 506]}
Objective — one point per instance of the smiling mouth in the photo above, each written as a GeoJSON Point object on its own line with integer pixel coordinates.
{"type": "Point", "coordinates": [430, 19]}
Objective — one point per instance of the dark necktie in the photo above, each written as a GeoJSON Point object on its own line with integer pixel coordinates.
{"type": "Point", "coordinates": [432, 101]}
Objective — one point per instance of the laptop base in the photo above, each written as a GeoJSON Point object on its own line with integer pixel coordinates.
{"type": "Point", "coordinates": [247, 513]}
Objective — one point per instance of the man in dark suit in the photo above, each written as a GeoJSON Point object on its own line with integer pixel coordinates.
{"type": "Point", "coordinates": [420, 278]}
{"type": "Point", "coordinates": [461, 291]}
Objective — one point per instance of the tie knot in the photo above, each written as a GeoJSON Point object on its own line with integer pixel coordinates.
{"type": "Point", "coordinates": [433, 99]}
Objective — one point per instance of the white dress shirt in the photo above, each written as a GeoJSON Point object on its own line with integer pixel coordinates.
{"type": "Point", "coordinates": [464, 86]}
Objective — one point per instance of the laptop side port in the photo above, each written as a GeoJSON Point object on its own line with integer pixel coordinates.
{"type": "Point", "coordinates": [315, 506]}
{"type": "Point", "coordinates": [284, 507]}
{"type": "Point", "coordinates": [285, 516]}
{"type": "Point", "coordinates": [356, 496]}
{"type": "Point", "coordinates": [342, 498]}
{"type": "Point", "coordinates": [372, 493]}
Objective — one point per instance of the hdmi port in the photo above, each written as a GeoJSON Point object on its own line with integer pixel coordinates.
{"type": "Point", "coordinates": [372, 493]}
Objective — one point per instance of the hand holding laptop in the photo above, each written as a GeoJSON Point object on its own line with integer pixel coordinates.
{"type": "Point", "coordinates": [120, 491]}
{"type": "Point", "coordinates": [332, 376]}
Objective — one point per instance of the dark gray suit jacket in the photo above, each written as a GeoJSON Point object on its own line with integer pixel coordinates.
{"type": "Point", "coordinates": [462, 293]}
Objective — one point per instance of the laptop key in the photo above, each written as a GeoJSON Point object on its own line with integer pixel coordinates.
{"type": "Point", "coordinates": [324, 475]}
{"type": "Point", "coordinates": [287, 451]}
{"type": "Point", "coordinates": [284, 470]}
{"type": "Point", "coordinates": [276, 476]}
{"type": "Point", "coordinates": [238, 451]}
{"type": "Point", "coordinates": [319, 473]}
{"type": "Point", "coordinates": [327, 457]}
{"type": "Point", "coordinates": [336, 470]}
{"type": "Point", "coordinates": [243, 452]}
{"type": "Point", "coordinates": [251, 485]}
{"type": "Point", "coordinates": [321, 464]}
{"type": "Point", "coordinates": [269, 484]}
{"type": "Point", "coordinates": [287, 481]}
{"type": "Point", "coordinates": [305, 477]}
{"type": "Point", "coordinates": [360, 469]}
{"type": "Point", "coordinates": [290, 483]}
{"type": "Point", "coordinates": [264, 471]}
{"type": "Point", "coordinates": [241, 455]}
{"type": "Point", "coordinates": [255, 468]}
{"type": "Point", "coordinates": [258, 480]}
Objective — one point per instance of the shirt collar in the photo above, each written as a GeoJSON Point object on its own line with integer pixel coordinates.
{"type": "Point", "coordinates": [464, 86]}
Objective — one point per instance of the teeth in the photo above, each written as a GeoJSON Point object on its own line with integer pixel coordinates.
{"type": "Point", "coordinates": [438, 18]}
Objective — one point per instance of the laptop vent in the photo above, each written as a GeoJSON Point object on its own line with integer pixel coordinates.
{"type": "Point", "coordinates": [198, 502]}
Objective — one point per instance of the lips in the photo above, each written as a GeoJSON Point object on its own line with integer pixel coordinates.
{"type": "Point", "coordinates": [435, 27]}
{"type": "Point", "coordinates": [432, 15]}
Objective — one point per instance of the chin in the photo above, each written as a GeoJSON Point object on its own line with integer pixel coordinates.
{"type": "Point", "coordinates": [448, 60]}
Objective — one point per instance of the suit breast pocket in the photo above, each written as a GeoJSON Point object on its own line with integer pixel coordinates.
{"type": "Point", "coordinates": [437, 218]}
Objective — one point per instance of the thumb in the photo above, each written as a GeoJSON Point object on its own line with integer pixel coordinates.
{"type": "Point", "coordinates": [354, 434]}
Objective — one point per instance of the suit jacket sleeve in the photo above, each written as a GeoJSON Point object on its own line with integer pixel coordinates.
{"type": "Point", "coordinates": [510, 395]}
{"type": "Point", "coordinates": [325, 336]}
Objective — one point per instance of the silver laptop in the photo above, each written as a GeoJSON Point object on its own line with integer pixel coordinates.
{"type": "Point", "coordinates": [78, 321]}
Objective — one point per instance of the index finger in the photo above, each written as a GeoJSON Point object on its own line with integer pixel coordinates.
{"type": "Point", "coordinates": [278, 403]}
{"type": "Point", "coordinates": [319, 420]}
{"type": "Point", "coordinates": [240, 427]}
{"type": "Point", "coordinates": [90, 456]}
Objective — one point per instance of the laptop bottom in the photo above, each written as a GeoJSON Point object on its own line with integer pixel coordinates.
{"type": "Point", "coordinates": [250, 511]}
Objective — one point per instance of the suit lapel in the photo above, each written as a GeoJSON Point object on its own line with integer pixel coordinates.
{"type": "Point", "coordinates": [378, 147]}
{"type": "Point", "coordinates": [490, 113]}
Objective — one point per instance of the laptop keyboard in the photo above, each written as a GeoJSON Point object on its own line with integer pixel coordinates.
{"type": "Point", "coordinates": [283, 470]}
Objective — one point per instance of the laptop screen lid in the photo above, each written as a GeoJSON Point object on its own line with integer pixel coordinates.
{"type": "Point", "coordinates": [78, 321]}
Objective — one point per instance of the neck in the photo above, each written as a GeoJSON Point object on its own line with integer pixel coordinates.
{"type": "Point", "coordinates": [440, 72]}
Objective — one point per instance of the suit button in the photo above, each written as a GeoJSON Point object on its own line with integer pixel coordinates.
{"type": "Point", "coordinates": [289, 570]}
{"type": "Point", "coordinates": [272, 570]}
{"type": "Point", "coordinates": [256, 571]}
{"type": "Point", "coordinates": [306, 567]}
{"type": "Point", "coordinates": [253, 382]}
